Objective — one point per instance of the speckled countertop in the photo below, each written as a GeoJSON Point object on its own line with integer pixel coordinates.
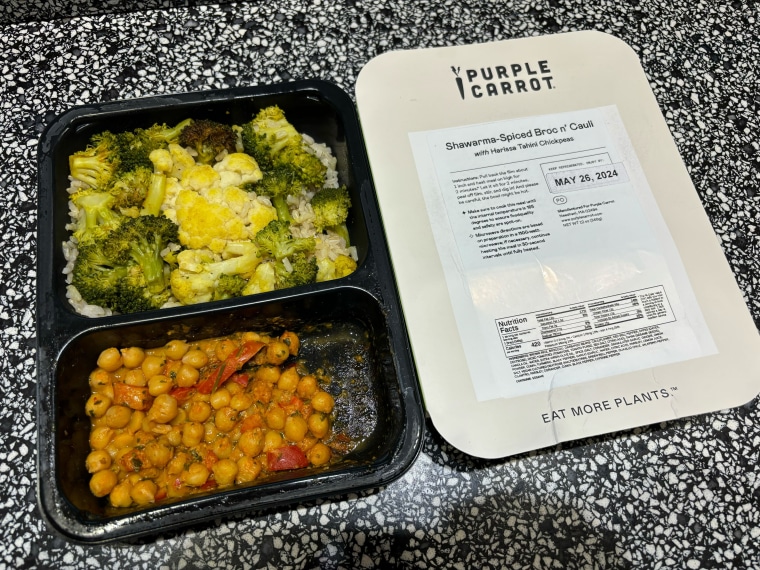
{"type": "Point", "coordinates": [683, 494]}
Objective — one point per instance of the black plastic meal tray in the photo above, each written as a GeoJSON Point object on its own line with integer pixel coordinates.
{"type": "Point", "coordinates": [352, 327]}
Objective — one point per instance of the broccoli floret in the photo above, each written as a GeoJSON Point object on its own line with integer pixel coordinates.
{"type": "Point", "coordinates": [139, 242]}
{"type": "Point", "coordinates": [208, 138]}
{"type": "Point", "coordinates": [198, 274]}
{"type": "Point", "coordinates": [97, 216]}
{"type": "Point", "coordinates": [109, 156]}
{"type": "Point", "coordinates": [280, 150]}
{"type": "Point", "coordinates": [307, 167]}
{"type": "Point", "coordinates": [129, 189]}
{"type": "Point", "coordinates": [268, 133]}
{"type": "Point", "coordinates": [300, 269]}
{"type": "Point", "coordinates": [331, 206]}
{"type": "Point", "coordinates": [276, 240]}
{"type": "Point", "coordinates": [96, 164]}
{"type": "Point", "coordinates": [229, 286]}
{"type": "Point", "coordinates": [277, 184]}
{"type": "Point", "coordinates": [135, 146]}
{"type": "Point", "coordinates": [110, 283]}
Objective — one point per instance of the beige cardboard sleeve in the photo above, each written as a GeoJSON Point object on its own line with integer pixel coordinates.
{"type": "Point", "coordinates": [408, 91]}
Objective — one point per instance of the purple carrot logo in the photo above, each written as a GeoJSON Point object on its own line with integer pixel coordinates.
{"type": "Point", "coordinates": [460, 84]}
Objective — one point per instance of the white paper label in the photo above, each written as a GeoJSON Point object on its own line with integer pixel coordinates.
{"type": "Point", "coordinates": [559, 265]}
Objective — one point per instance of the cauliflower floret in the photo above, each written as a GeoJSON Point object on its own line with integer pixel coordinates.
{"type": "Point", "coordinates": [263, 279]}
{"type": "Point", "coordinates": [329, 269]}
{"type": "Point", "coordinates": [173, 188]}
{"type": "Point", "coordinates": [181, 160]}
{"type": "Point", "coordinates": [206, 224]}
{"type": "Point", "coordinates": [239, 201]}
{"type": "Point", "coordinates": [162, 160]}
{"type": "Point", "coordinates": [199, 177]}
{"type": "Point", "coordinates": [261, 213]}
{"type": "Point", "coordinates": [172, 160]}
{"type": "Point", "coordinates": [238, 168]}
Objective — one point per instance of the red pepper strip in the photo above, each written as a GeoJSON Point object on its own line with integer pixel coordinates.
{"type": "Point", "coordinates": [160, 494]}
{"type": "Point", "coordinates": [288, 457]}
{"type": "Point", "coordinates": [181, 394]}
{"type": "Point", "coordinates": [232, 364]}
{"type": "Point", "coordinates": [209, 484]}
{"type": "Point", "coordinates": [240, 378]}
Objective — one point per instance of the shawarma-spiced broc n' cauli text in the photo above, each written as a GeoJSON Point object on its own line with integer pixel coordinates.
{"type": "Point", "coordinates": [189, 417]}
{"type": "Point", "coordinates": [201, 211]}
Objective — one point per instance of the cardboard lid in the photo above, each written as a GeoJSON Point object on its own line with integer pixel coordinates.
{"type": "Point", "coordinates": [558, 273]}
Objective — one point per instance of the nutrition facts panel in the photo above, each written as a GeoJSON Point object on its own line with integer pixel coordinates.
{"type": "Point", "coordinates": [628, 311]}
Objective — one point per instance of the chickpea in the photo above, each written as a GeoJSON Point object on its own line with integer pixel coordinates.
{"type": "Point", "coordinates": [225, 348]}
{"type": "Point", "coordinates": [225, 472]}
{"type": "Point", "coordinates": [135, 377]}
{"type": "Point", "coordinates": [100, 380]}
{"type": "Point", "coordinates": [177, 464]}
{"type": "Point", "coordinates": [252, 442]}
{"type": "Point", "coordinates": [132, 357]}
{"type": "Point", "coordinates": [187, 376]}
{"type": "Point", "coordinates": [152, 365]}
{"type": "Point", "coordinates": [291, 339]}
{"type": "Point", "coordinates": [135, 421]}
{"type": "Point", "coordinates": [143, 492]}
{"type": "Point", "coordinates": [277, 352]}
{"type": "Point", "coordinates": [241, 401]}
{"type": "Point", "coordinates": [195, 358]}
{"type": "Point", "coordinates": [180, 418]}
{"type": "Point", "coordinates": [288, 380]}
{"type": "Point", "coordinates": [174, 437]}
{"type": "Point", "coordinates": [225, 418]}
{"type": "Point", "coordinates": [319, 454]}
{"type": "Point", "coordinates": [100, 437]}
{"type": "Point", "coordinates": [192, 433]}
{"type": "Point", "coordinates": [220, 398]}
{"type": "Point", "coordinates": [110, 359]}
{"type": "Point", "coordinates": [275, 417]}
{"type": "Point", "coordinates": [159, 384]}
{"type": "Point", "coordinates": [198, 411]}
{"type": "Point", "coordinates": [295, 428]}
{"type": "Point", "coordinates": [222, 447]}
{"type": "Point", "coordinates": [164, 409]}
{"type": "Point", "coordinates": [307, 387]}
{"type": "Point", "coordinates": [143, 438]}
{"type": "Point", "coordinates": [123, 439]}
{"type": "Point", "coordinates": [272, 440]}
{"type": "Point", "coordinates": [158, 454]}
{"type": "Point", "coordinates": [210, 432]}
{"type": "Point", "coordinates": [233, 388]}
{"type": "Point", "coordinates": [118, 416]}
{"type": "Point", "coordinates": [196, 475]}
{"type": "Point", "coordinates": [268, 373]}
{"type": "Point", "coordinates": [97, 405]}
{"type": "Point", "coordinates": [103, 482]}
{"type": "Point", "coordinates": [176, 349]}
{"type": "Point", "coordinates": [97, 461]}
{"type": "Point", "coordinates": [120, 495]}
{"type": "Point", "coordinates": [319, 424]}
{"type": "Point", "coordinates": [249, 336]}
{"type": "Point", "coordinates": [321, 401]}
{"type": "Point", "coordinates": [248, 469]}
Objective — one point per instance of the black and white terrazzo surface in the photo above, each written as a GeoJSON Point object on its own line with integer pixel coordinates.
{"type": "Point", "coordinates": [683, 494]}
